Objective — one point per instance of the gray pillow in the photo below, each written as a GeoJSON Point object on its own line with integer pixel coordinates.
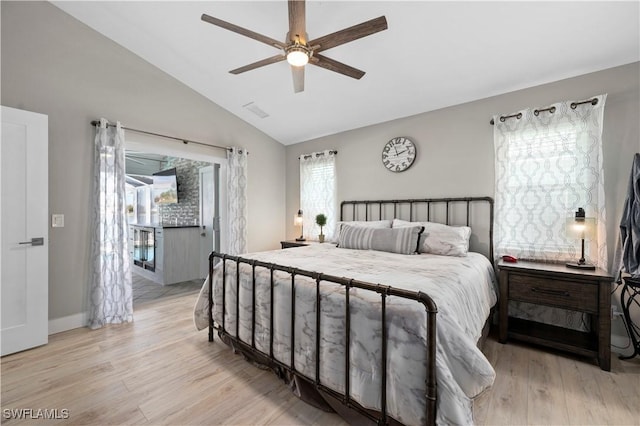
{"type": "Point", "coordinates": [398, 240]}
{"type": "Point", "coordinates": [364, 223]}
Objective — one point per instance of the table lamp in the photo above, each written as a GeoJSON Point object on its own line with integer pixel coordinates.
{"type": "Point", "coordinates": [298, 221]}
{"type": "Point", "coordinates": [582, 228]}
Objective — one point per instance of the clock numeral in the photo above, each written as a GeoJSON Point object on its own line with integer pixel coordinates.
{"type": "Point", "coordinates": [384, 156]}
{"type": "Point", "coordinates": [397, 168]}
{"type": "Point", "coordinates": [386, 162]}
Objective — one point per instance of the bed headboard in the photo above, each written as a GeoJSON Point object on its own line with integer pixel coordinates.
{"type": "Point", "coordinates": [475, 212]}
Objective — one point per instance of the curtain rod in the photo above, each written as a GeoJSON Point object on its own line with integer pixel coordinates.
{"type": "Point", "coordinates": [318, 154]}
{"type": "Point", "coordinates": [593, 101]}
{"type": "Point", "coordinates": [184, 141]}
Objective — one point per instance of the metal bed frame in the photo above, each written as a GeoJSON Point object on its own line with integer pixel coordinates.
{"type": "Point", "coordinates": [250, 350]}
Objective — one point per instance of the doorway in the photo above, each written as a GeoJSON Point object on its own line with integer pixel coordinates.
{"type": "Point", "coordinates": [189, 228]}
{"type": "Point", "coordinates": [209, 214]}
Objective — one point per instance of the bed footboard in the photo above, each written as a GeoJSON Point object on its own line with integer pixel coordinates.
{"type": "Point", "coordinates": [220, 260]}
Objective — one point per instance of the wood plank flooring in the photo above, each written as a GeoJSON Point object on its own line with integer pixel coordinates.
{"type": "Point", "coordinates": [159, 370]}
{"type": "Point", "coordinates": [145, 290]}
{"type": "Point", "coordinates": [538, 386]}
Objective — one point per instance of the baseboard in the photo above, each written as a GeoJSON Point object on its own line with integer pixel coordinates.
{"type": "Point", "coordinates": [70, 322]}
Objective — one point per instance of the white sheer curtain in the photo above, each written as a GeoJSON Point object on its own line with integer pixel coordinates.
{"type": "Point", "coordinates": [237, 200]}
{"type": "Point", "coordinates": [111, 299]}
{"type": "Point", "coordinates": [318, 192]}
{"type": "Point", "coordinates": [548, 163]}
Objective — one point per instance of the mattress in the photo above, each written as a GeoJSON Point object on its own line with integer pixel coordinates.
{"type": "Point", "coordinates": [463, 288]}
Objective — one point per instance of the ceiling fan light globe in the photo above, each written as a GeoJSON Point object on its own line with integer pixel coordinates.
{"type": "Point", "coordinates": [297, 57]}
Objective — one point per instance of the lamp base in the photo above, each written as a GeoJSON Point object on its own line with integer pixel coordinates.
{"type": "Point", "coordinates": [301, 239]}
{"type": "Point", "coordinates": [578, 265]}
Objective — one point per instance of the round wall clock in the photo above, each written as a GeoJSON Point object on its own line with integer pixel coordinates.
{"type": "Point", "coordinates": [398, 154]}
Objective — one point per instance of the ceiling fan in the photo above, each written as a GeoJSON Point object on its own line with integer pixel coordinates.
{"type": "Point", "coordinates": [298, 50]}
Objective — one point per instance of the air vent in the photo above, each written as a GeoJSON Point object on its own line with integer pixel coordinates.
{"type": "Point", "coordinates": [255, 109]}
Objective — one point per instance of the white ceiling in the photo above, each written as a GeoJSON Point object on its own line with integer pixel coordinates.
{"type": "Point", "coordinates": [433, 55]}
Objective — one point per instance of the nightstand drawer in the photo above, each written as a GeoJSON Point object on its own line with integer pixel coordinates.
{"type": "Point", "coordinates": [571, 295]}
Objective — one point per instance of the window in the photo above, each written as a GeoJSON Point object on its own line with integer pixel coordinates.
{"type": "Point", "coordinates": [547, 166]}
{"type": "Point", "coordinates": [318, 192]}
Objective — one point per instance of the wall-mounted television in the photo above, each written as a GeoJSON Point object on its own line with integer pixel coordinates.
{"type": "Point", "coordinates": [165, 187]}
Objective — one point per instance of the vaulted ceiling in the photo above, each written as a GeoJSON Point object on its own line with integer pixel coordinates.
{"type": "Point", "coordinates": [433, 54]}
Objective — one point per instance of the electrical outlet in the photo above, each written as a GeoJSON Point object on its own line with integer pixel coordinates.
{"type": "Point", "coordinates": [615, 313]}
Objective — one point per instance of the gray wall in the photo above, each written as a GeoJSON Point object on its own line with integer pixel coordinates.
{"type": "Point", "coordinates": [455, 146]}
{"type": "Point", "coordinates": [455, 150]}
{"type": "Point", "coordinates": [55, 65]}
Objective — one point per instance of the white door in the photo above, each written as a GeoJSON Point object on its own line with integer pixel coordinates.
{"type": "Point", "coordinates": [207, 214]}
{"type": "Point", "coordinates": [24, 278]}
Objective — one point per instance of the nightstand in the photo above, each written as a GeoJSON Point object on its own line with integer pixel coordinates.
{"type": "Point", "coordinates": [293, 243]}
{"type": "Point", "coordinates": [561, 287]}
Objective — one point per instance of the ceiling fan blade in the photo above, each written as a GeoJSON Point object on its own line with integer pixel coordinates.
{"type": "Point", "coordinates": [267, 61]}
{"type": "Point", "coordinates": [339, 67]}
{"type": "Point", "coordinates": [349, 34]}
{"type": "Point", "coordinates": [298, 78]}
{"type": "Point", "coordinates": [297, 22]}
{"type": "Point", "coordinates": [243, 31]}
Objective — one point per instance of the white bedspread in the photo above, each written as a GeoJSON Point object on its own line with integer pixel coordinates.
{"type": "Point", "coordinates": [462, 287]}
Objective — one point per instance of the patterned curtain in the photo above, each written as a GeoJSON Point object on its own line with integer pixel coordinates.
{"type": "Point", "coordinates": [237, 200]}
{"type": "Point", "coordinates": [111, 299]}
{"type": "Point", "coordinates": [548, 163]}
{"type": "Point", "coordinates": [318, 192]}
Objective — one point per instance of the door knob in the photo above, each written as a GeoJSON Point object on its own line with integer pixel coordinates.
{"type": "Point", "coordinates": [37, 241]}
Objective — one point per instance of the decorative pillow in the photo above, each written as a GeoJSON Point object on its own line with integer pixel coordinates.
{"type": "Point", "coordinates": [400, 240]}
{"type": "Point", "coordinates": [440, 239]}
{"type": "Point", "coordinates": [362, 223]}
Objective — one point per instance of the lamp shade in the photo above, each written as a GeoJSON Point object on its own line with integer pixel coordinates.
{"type": "Point", "coordinates": [581, 227]}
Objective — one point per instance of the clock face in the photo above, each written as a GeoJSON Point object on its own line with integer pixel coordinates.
{"type": "Point", "coordinates": [398, 154]}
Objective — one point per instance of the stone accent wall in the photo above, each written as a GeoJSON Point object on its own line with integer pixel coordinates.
{"type": "Point", "coordinates": [187, 210]}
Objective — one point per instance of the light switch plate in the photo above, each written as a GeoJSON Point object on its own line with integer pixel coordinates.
{"type": "Point", "coordinates": [57, 221]}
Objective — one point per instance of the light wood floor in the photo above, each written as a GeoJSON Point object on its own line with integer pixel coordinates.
{"type": "Point", "coordinates": [159, 370]}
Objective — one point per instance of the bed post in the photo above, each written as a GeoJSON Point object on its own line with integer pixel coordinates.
{"type": "Point", "coordinates": [432, 390]}
{"type": "Point", "coordinates": [210, 313]}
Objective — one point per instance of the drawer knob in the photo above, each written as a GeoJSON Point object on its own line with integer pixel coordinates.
{"type": "Point", "coordinates": [550, 291]}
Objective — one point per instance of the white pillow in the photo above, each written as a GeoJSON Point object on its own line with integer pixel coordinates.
{"type": "Point", "coordinates": [438, 238]}
{"type": "Point", "coordinates": [361, 223]}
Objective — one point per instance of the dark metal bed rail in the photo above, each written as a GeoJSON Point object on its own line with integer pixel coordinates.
{"type": "Point", "coordinates": [413, 204]}
{"type": "Point", "coordinates": [384, 291]}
